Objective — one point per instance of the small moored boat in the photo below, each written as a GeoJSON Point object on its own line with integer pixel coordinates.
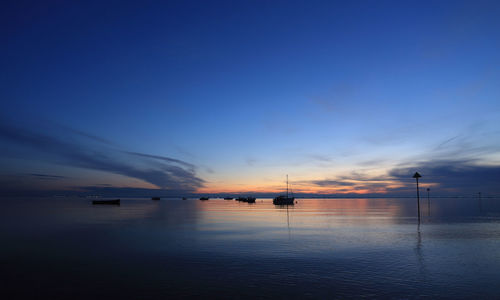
{"type": "Point", "coordinates": [283, 200]}
{"type": "Point", "coordinates": [155, 198]}
{"type": "Point", "coordinates": [112, 202]}
{"type": "Point", "coordinates": [204, 198]}
{"type": "Point", "coordinates": [246, 199]}
{"type": "Point", "coordinates": [250, 199]}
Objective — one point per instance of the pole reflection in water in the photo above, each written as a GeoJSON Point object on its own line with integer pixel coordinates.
{"type": "Point", "coordinates": [288, 222]}
{"type": "Point", "coordinates": [419, 255]}
{"type": "Point", "coordinates": [428, 202]}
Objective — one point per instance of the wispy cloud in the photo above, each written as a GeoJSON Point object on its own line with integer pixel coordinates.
{"type": "Point", "coordinates": [320, 157]}
{"type": "Point", "coordinates": [335, 99]}
{"type": "Point", "coordinates": [354, 183]}
{"type": "Point", "coordinates": [163, 172]}
{"type": "Point", "coordinates": [250, 161]}
{"type": "Point", "coordinates": [46, 176]}
{"type": "Point", "coordinates": [447, 141]}
{"type": "Point", "coordinates": [327, 182]}
{"type": "Point", "coordinates": [163, 158]}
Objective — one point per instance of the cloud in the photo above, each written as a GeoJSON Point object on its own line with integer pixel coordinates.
{"type": "Point", "coordinates": [209, 170]}
{"type": "Point", "coordinates": [163, 158]}
{"type": "Point", "coordinates": [460, 176]}
{"type": "Point", "coordinates": [327, 182]}
{"type": "Point", "coordinates": [360, 176]}
{"type": "Point", "coordinates": [163, 172]}
{"type": "Point", "coordinates": [446, 142]}
{"type": "Point", "coordinates": [336, 98]}
{"type": "Point", "coordinates": [250, 161]}
{"type": "Point", "coordinates": [46, 176]}
{"type": "Point", "coordinates": [320, 157]}
{"type": "Point", "coordinates": [444, 177]}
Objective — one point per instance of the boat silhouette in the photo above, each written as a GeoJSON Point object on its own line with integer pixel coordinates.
{"type": "Point", "coordinates": [109, 202]}
{"type": "Point", "coordinates": [246, 199]}
{"type": "Point", "coordinates": [282, 199]}
{"type": "Point", "coordinates": [250, 199]}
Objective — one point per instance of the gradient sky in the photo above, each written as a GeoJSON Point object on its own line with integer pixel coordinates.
{"type": "Point", "coordinates": [229, 96]}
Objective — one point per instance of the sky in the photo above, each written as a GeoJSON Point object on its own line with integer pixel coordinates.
{"type": "Point", "coordinates": [207, 97]}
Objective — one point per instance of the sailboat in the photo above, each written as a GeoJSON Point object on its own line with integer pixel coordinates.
{"type": "Point", "coordinates": [282, 199]}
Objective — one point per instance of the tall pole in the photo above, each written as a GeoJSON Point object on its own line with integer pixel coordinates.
{"type": "Point", "coordinates": [417, 176]}
{"type": "Point", "coordinates": [428, 202]}
{"type": "Point", "coordinates": [418, 202]}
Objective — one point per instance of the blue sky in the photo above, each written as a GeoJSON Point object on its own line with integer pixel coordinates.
{"type": "Point", "coordinates": [233, 95]}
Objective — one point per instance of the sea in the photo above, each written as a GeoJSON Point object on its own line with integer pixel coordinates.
{"type": "Point", "coordinates": [375, 248]}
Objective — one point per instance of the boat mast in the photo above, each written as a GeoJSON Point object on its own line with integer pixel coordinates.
{"type": "Point", "coordinates": [287, 185]}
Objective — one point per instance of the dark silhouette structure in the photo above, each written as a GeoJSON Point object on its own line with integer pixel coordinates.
{"type": "Point", "coordinates": [248, 199]}
{"type": "Point", "coordinates": [428, 202]}
{"type": "Point", "coordinates": [107, 202]}
{"type": "Point", "coordinates": [284, 200]}
{"type": "Point", "coordinates": [417, 176]}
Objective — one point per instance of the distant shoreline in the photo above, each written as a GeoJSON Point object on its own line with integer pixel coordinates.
{"type": "Point", "coordinates": [258, 197]}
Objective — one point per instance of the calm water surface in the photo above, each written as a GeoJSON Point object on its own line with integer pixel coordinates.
{"type": "Point", "coordinates": [319, 248]}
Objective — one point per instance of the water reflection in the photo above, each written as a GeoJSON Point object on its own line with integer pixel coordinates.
{"type": "Point", "coordinates": [419, 255]}
{"type": "Point", "coordinates": [347, 248]}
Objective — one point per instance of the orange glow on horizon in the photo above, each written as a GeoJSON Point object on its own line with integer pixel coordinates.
{"type": "Point", "coordinates": [351, 187]}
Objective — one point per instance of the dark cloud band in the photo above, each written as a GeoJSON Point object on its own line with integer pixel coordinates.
{"type": "Point", "coordinates": [163, 172]}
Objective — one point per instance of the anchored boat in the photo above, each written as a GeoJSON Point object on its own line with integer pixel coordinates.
{"type": "Point", "coordinates": [112, 202]}
{"type": "Point", "coordinates": [282, 199]}
{"type": "Point", "coordinates": [250, 199]}
{"type": "Point", "coordinates": [246, 199]}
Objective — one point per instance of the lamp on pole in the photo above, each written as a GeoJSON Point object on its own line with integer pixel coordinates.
{"type": "Point", "coordinates": [417, 176]}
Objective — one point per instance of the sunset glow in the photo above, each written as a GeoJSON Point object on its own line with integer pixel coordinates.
{"type": "Point", "coordinates": [186, 98]}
